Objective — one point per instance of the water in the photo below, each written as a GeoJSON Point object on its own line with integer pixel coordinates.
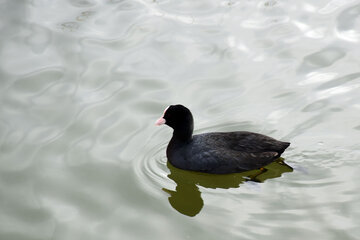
{"type": "Point", "coordinates": [83, 81]}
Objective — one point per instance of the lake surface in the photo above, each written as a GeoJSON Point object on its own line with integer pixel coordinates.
{"type": "Point", "coordinates": [82, 82]}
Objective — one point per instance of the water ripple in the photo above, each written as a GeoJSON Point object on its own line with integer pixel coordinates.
{"type": "Point", "coordinates": [324, 58]}
{"type": "Point", "coordinates": [334, 5]}
{"type": "Point", "coordinates": [152, 169]}
{"type": "Point", "coordinates": [346, 22]}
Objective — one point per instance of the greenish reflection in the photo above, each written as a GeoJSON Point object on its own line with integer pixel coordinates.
{"type": "Point", "coordinates": [186, 198]}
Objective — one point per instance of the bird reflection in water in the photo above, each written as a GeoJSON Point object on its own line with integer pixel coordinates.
{"type": "Point", "coordinates": [186, 198]}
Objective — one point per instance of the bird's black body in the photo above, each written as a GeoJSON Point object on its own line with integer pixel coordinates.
{"type": "Point", "coordinates": [218, 152]}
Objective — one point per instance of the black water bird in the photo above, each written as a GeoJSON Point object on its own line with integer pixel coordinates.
{"type": "Point", "coordinates": [216, 152]}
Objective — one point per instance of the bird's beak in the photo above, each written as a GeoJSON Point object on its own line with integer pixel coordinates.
{"type": "Point", "coordinates": [160, 121]}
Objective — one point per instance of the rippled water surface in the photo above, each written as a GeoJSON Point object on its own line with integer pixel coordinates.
{"type": "Point", "coordinates": [82, 82]}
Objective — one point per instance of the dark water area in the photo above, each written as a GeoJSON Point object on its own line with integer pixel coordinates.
{"type": "Point", "coordinates": [186, 198]}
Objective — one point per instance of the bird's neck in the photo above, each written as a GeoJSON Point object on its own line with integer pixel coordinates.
{"type": "Point", "coordinates": [183, 133]}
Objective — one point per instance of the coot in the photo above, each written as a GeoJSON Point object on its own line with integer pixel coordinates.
{"type": "Point", "coordinates": [217, 152]}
